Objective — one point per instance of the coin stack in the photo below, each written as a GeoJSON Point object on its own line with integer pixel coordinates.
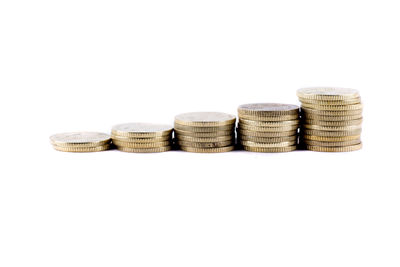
{"type": "Point", "coordinates": [142, 137]}
{"type": "Point", "coordinates": [205, 132]}
{"type": "Point", "coordinates": [268, 127]}
{"type": "Point", "coordinates": [81, 142]}
{"type": "Point", "coordinates": [331, 119]}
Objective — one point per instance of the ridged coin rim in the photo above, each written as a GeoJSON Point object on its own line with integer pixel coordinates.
{"type": "Point", "coordinates": [334, 149]}
{"type": "Point", "coordinates": [270, 150]}
{"type": "Point", "coordinates": [144, 150]}
{"type": "Point", "coordinates": [207, 150]}
{"type": "Point", "coordinates": [82, 149]}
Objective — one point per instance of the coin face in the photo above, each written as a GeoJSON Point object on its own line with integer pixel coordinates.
{"type": "Point", "coordinates": [86, 139]}
{"type": "Point", "coordinates": [139, 129]}
{"type": "Point", "coordinates": [327, 93]}
{"type": "Point", "coordinates": [205, 119]}
{"type": "Point", "coordinates": [268, 109]}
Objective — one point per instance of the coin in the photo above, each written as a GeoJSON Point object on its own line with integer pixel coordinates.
{"type": "Point", "coordinates": [207, 150]}
{"type": "Point", "coordinates": [269, 118]}
{"type": "Point", "coordinates": [144, 150]}
{"type": "Point", "coordinates": [270, 149]}
{"type": "Point", "coordinates": [342, 143]}
{"type": "Point", "coordinates": [206, 139]}
{"type": "Point", "coordinates": [140, 130]}
{"type": "Point", "coordinates": [205, 134]}
{"type": "Point", "coordinates": [331, 138]}
{"type": "Point", "coordinates": [334, 149]}
{"type": "Point", "coordinates": [266, 134]}
{"type": "Point", "coordinates": [333, 123]}
{"type": "Point", "coordinates": [327, 93]}
{"type": "Point", "coordinates": [269, 124]}
{"type": "Point", "coordinates": [268, 129]}
{"type": "Point", "coordinates": [80, 139]}
{"type": "Point", "coordinates": [198, 129]}
{"type": "Point", "coordinates": [82, 149]}
{"type": "Point", "coordinates": [267, 139]}
{"type": "Point", "coordinates": [331, 102]}
{"type": "Point", "coordinates": [256, 144]}
{"type": "Point", "coordinates": [206, 119]}
{"type": "Point", "coordinates": [141, 145]}
{"type": "Point", "coordinates": [310, 116]}
{"type": "Point", "coordinates": [267, 109]}
{"type": "Point", "coordinates": [141, 140]}
{"type": "Point", "coordinates": [332, 128]}
{"type": "Point", "coordinates": [333, 107]}
{"type": "Point", "coordinates": [205, 144]}
{"type": "Point", "coordinates": [330, 133]}
{"type": "Point", "coordinates": [308, 111]}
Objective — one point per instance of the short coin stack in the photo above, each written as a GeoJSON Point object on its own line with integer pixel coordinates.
{"type": "Point", "coordinates": [205, 132]}
{"type": "Point", "coordinates": [81, 142]}
{"type": "Point", "coordinates": [331, 119]}
{"type": "Point", "coordinates": [268, 127]}
{"type": "Point", "coordinates": [142, 137]}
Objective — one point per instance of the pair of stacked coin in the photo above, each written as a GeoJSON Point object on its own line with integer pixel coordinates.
{"type": "Point", "coordinates": [331, 119]}
{"type": "Point", "coordinates": [268, 127]}
{"type": "Point", "coordinates": [81, 141]}
{"type": "Point", "coordinates": [205, 132]}
{"type": "Point", "coordinates": [142, 137]}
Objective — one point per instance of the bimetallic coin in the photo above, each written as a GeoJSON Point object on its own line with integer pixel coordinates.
{"type": "Point", "coordinates": [267, 109]}
{"type": "Point", "coordinates": [270, 124]}
{"type": "Point", "coordinates": [333, 123]}
{"type": "Point", "coordinates": [350, 101]}
{"type": "Point", "coordinates": [330, 134]}
{"type": "Point", "coordinates": [266, 134]}
{"type": "Point", "coordinates": [267, 129]}
{"type": "Point", "coordinates": [308, 111]}
{"type": "Point", "coordinates": [332, 128]}
{"type": "Point", "coordinates": [207, 150]}
{"type": "Point", "coordinates": [331, 138]}
{"type": "Point", "coordinates": [270, 149]}
{"type": "Point", "coordinates": [334, 149]}
{"type": "Point", "coordinates": [82, 149]}
{"type": "Point", "coordinates": [141, 140]}
{"type": "Point", "coordinates": [269, 145]}
{"type": "Point", "coordinates": [138, 129]}
{"type": "Point", "coordinates": [141, 145]}
{"type": "Point", "coordinates": [144, 150]}
{"type": "Point", "coordinates": [198, 129]}
{"type": "Point", "coordinates": [205, 139]}
{"type": "Point", "coordinates": [327, 93]}
{"type": "Point", "coordinates": [80, 139]}
{"type": "Point", "coordinates": [201, 134]}
{"type": "Point", "coordinates": [268, 139]}
{"type": "Point", "coordinates": [205, 144]}
{"type": "Point", "coordinates": [329, 144]}
{"type": "Point", "coordinates": [206, 119]}
{"type": "Point", "coordinates": [310, 116]}
{"type": "Point", "coordinates": [333, 107]}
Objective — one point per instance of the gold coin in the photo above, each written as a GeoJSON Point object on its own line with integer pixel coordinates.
{"type": "Point", "coordinates": [308, 111]}
{"type": "Point", "coordinates": [331, 102]}
{"type": "Point", "coordinates": [329, 144]}
{"type": "Point", "coordinates": [270, 149]}
{"type": "Point", "coordinates": [80, 139]}
{"type": "Point", "coordinates": [334, 149]}
{"type": "Point", "coordinates": [198, 129]}
{"type": "Point", "coordinates": [332, 128]}
{"type": "Point", "coordinates": [266, 134]}
{"type": "Point", "coordinates": [268, 145]}
{"type": "Point", "coordinates": [205, 119]}
{"type": "Point", "coordinates": [310, 116]}
{"type": "Point", "coordinates": [270, 124]}
{"type": "Point", "coordinates": [267, 109]}
{"type": "Point", "coordinates": [141, 140]}
{"type": "Point", "coordinates": [82, 149]}
{"type": "Point", "coordinates": [331, 138]}
{"type": "Point", "coordinates": [269, 118]}
{"type": "Point", "coordinates": [137, 129]}
{"type": "Point", "coordinates": [327, 93]}
{"type": "Point", "coordinates": [205, 139]}
{"type": "Point", "coordinates": [330, 134]}
{"type": "Point", "coordinates": [205, 144]}
{"type": "Point", "coordinates": [267, 129]}
{"type": "Point", "coordinates": [334, 123]}
{"type": "Point", "coordinates": [144, 150]}
{"type": "Point", "coordinates": [206, 134]}
{"type": "Point", "coordinates": [333, 107]}
{"type": "Point", "coordinates": [141, 145]}
{"type": "Point", "coordinates": [267, 139]}
{"type": "Point", "coordinates": [207, 150]}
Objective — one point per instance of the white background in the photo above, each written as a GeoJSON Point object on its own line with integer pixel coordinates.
{"type": "Point", "coordinates": [87, 65]}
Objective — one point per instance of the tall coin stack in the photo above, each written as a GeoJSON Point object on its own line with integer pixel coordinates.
{"type": "Point", "coordinates": [81, 142]}
{"type": "Point", "coordinates": [205, 132]}
{"type": "Point", "coordinates": [142, 137]}
{"type": "Point", "coordinates": [268, 127]}
{"type": "Point", "coordinates": [331, 119]}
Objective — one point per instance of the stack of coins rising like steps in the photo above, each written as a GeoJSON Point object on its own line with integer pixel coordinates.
{"type": "Point", "coordinates": [268, 127]}
{"type": "Point", "coordinates": [205, 132]}
{"type": "Point", "coordinates": [81, 141]}
{"type": "Point", "coordinates": [142, 137]}
{"type": "Point", "coordinates": [331, 119]}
